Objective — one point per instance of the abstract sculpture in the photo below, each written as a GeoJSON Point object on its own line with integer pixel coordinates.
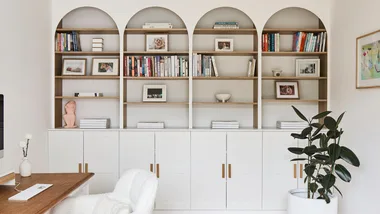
{"type": "Point", "coordinates": [70, 117]}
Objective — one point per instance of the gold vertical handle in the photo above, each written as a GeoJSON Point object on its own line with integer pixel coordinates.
{"type": "Point", "coordinates": [229, 171]}
{"type": "Point", "coordinates": [301, 170]}
{"type": "Point", "coordinates": [79, 167]}
{"type": "Point", "coordinates": [158, 170]}
{"type": "Point", "coordinates": [295, 170]}
{"type": "Point", "coordinates": [151, 167]}
{"type": "Point", "coordinates": [86, 167]}
{"type": "Point", "coordinates": [223, 171]}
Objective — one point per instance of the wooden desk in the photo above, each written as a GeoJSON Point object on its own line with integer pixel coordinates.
{"type": "Point", "coordinates": [63, 185]}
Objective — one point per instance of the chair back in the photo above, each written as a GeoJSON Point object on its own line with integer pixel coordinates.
{"type": "Point", "coordinates": [138, 188]}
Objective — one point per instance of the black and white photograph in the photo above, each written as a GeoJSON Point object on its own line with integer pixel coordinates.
{"type": "Point", "coordinates": [307, 67]}
{"type": "Point", "coordinates": [154, 93]}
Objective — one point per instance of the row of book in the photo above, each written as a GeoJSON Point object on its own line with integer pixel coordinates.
{"type": "Point", "coordinates": [291, 124]}
{"type": "Point", "coordinates": [67, 41]}
{"type": "Point", "coordinates": [95, 123]}
{"type": "Point", "coordinates": [204, 65]}
{"type": "Point", "coordinates": [226, 25]}
{"type": "Point", "coordinates": [271, 42]}
{"type": "Point", "coordinates": [309, 42]}
{"type": "Point", "coordinates": [156, 66]}
{"type": "Point", "coordinates": [219, 124]}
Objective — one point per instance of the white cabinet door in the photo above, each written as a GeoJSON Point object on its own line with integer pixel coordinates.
{"type": "Point", "coordinates": [65, 151]}
{"type": "Point", "coordinates": [136, 151]}
{"type": "Point", "coordinates": [244, 170]}
{"type": "Point", "coordinates": [173, 170]}
{"type": "Point", "coordinates": [301, 166]}
{"type": "Point", "coordinates": [101, 155]}
{"type": "Point", "coordinates": [279, 173]}
{"type": "Point", "coordinates": [208, 170]}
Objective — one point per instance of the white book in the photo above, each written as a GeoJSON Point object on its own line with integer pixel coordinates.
{"type": "Point", "coordinates": [97, 49]}
{"type": "Point", "coordinates": [97, 45]}
{"type": "Point", "coordinates": [97, 40]}
{"type": "Point", "coordinates": [253, 67]}
{"type": "Point", "coordinates": [214, 65]}
{"type": "Point", "coordinates": [249, 72]}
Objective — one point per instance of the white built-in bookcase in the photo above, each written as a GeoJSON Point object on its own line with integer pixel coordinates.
{"type": "Point", "coordinates": [190, 101]}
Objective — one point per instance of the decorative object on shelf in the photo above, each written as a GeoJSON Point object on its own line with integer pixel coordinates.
{"type": "Point", "coordinates": [74, 67]}
{"type": "Point", "coordinates": [156, 42]}
{"type": "Point", "coordinates": [70, 117]}
{"type": "Point", "coordinates": [287, 90]}
{"type": "Point", "coordinates": [156, 25]}
{"type": "Point", "coordinates": [307, 67]}
{"type": "Point", "coordinates": [88, 94]}
{"type": "Point", "coordinates": [224, 44]}
{"type": "Point", "coordinates": [223, 97]}
{"type": "Point", "coordinates": [97, 44]}
{"type": "Point", "coordinates": [25, 166]}
{"type": "Point", "coordinates": [150, 125]}
{"type": "Point", "coordinates": [323, 155]}
{"type": "Point", "coordinates": [105, 66]}
{"type": "Point", "coordinates": [251, 67]}
{"type": "Point", "coordinates": [368, 60]}
{"type": "Point", "coordinates": [226, 25]}
{"type": "Point", "coordinates": [154, 93]}
{"type": "Point", "coordinates": [276, 72]}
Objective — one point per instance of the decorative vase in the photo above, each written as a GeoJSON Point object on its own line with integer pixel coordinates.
{"type": "Point", "coordinates": [25, 168]}
{"type": "Point", "coordinates": [298, 203]}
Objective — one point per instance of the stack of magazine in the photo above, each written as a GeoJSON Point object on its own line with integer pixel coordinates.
{"type": "Point", "coordinates": [95, 123]}
{"type": "Point", "coordinates": [150, 125]}
{"type": "Point", "coordinates": [219, 124]}
{"type": "Point", "coordinates": [292, 124]}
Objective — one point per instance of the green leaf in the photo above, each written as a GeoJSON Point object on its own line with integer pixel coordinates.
{"type": "Point", "coordinates": [343, 173]}
{"type": "Point", "coordinates": [321, 115]}
{"type": "Point", "coordinates": [328, 181]}
{"type": "Point", "coordinates": [299, 159]}
{"type": "Point", "coordinates": [323, 141]}
{"type": "Point", "coordinates": [321, 157]}
{"type": "Point", "coordinates": [340, 118]}
{"type": "Point", "coordinates": [338, 191]}
{"type": "Point", "coordinates": [313, 187]}
{"type": "Point", "coordinates": [334, 152]}
{"type": "Point", "coordinates": [310, 150]}
{"type": "Point", "coordinates": [316, 137]}
{"type": "Point", "coordinates": [318, 130]}
{"type": "Point", "coordinates": [309, 170]}
{"type": "Point", "coordinates": [316, 125]}
{"type": "Point", "coordinates": [300, 115]}
{"type": "Point", "coordinates": [306, 131]}
{"type": "Point", "coordinates": [327, 198]}
{"type": "Point", "coordinates": [330, 123]}
{"type": "Point", "coordinates": [296, 150]}
{"type": "Point", "coordinates": [321, 191]}
{"type": "Point", "coordinates": [298, 136]}
{"type": "Point", "coordinates": [349, 156]}
{"type": "Point", "coordinates": [334, 134]}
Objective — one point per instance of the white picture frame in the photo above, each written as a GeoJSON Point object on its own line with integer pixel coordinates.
{"type": "Point", "coordinates": [105, 66]}
{"type": "Point", "coordinates": [154, 93]}
{"type": "Point", "coordinates": [308, 67]}
{"type": "Point", "coordinates": [224, 44]}
{"type": "Point", "coordinates": [156, 42]}
{"type": "Point", "coordinates": [287, 90]}
{"type": "Point", "coordinates": [74, 67]}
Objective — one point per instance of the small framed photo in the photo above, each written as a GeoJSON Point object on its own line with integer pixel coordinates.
{"type": "Point", "coordinates": [105, 66]}
{"type": "Point", "coordinates": [74, 67]}
{"type": "Point", "coordinates": [156, 42]}
{"type": "Point", "coordinates": [224, 44]}
{"type": "Point", "coordinates": [154, 93]}
{"type": "Point", "coordinates": [307, 67]}
{"type": "Point", "coordinates": [287, 90]}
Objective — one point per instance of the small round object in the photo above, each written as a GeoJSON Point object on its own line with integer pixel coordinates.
{"type": "Point", "coordinates": [223, 97]}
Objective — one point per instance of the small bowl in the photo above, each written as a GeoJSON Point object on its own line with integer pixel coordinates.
{"type": "Point", "coordinates": [223, 97]}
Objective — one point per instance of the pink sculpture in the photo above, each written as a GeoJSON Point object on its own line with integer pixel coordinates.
{"type": "Point", "coordinates": [70, 117]}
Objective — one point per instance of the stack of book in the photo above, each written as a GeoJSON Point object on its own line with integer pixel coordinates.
{"type": "Point", "coordinates": [69, 41]}
{"type": "Point", "coordinates": [204, 66]}
{"type": "Point", "coordinates": [150, 125]}
{"type": "Point", "coordinates": [220, 124]}
{"type": "Point", "coordinates": [95, 123]}
{"type": "Point", "coordinates": [271, 42]}
{"type": "Point", "coordinates": [157, 25]}
{"type": "Point", "coordinates": [97, 44]}
{"type": "Point", "coordinates": [226, 25]}
{"type": "Point", "coordinates": [292, 124]}
{"type": "Point", "coordinates": [88, 94]}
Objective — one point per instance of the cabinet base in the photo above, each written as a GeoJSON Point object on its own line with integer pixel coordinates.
{"type": "Point", "coordinates": [216, 212]}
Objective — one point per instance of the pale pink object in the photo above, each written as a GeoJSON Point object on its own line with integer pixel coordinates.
{"type": "Point", "coordinates": [70, 117]}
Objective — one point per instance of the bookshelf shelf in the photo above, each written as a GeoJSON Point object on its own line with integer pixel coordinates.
{"type": "Point", "coordinates": [224, 78]}
{"type": "Point", "coordinates": [155, 30]}
{"type": "Point", "coordinates": [156, 78]}
{"type": "Point", "coordinates": [156, 53]}
{"type": "Point", "coordinates": [227, 103]}
{"type": "Point", "coordinates": [292, 53]}
{"type": "Point", "coordinates": [294, 101]}
{"type": "Point", "coordinates": [89, 30]}
{"type": "Point", "coordinates": [88, 53]}
{"type": "Point", "coordinates": [95, 98]}
{"type": "Point", "coordinates": [292, 30]}
{"type": "Point", "coordinates": [294, 78]}
{"type": "Point", "coordinates": [89, 77]}
{"type": "Point", "coordinates": [227, 53]}
{"type": "Point", "coordinates": [156, 103]}
{"type": "Point", "coordinates": [241, 31]}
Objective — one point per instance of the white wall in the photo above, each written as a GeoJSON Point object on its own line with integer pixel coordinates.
{"type": "Point", "coordinates": [351, 19]}
{"type": "Point", "coordinates": [24, 79]}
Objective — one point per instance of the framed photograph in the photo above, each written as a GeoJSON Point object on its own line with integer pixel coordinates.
{"type": "Point", "coordinates": [307, 67]}
{"type": "Point", "coordinates": [74, 67]}
{"type": "Point", "coordinates": [156, 42]}
{"type": "Point", "coordinates": [287, 90]}
{"type": "Point", "coordinates": [105, 66]}
{"type": "Point", "coordinates": [368, 60]}
{"type": "Point", "coordinates": [224, 44]}
{"type": "Point", "coordinates": [154, 93]}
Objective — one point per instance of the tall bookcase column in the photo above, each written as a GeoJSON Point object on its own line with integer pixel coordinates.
{"type": "Point", "coordinates": [76, 66]}
{"type": "Point", "coordinates": [224, 42]}
{"type": "Point", "coordinates": [149, 63]}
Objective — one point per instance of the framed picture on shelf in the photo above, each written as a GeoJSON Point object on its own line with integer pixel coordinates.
{"type": "Point", "coordinates": [307, 67]}
{"type": "Point", "coordinates": [287, 90]}
{"type": "Point", "coordinates": [223, 44]}
{"type": "Point", "coordinates": [368, 60]}
{"type": "Point", "coordinates": [74, 67]}
{"type": "Point", "coordinates": [105, 66]}
{"type": "Point", "coordinates": [154, 93]}
{"type": "Point", "coordinates": [156, 42]}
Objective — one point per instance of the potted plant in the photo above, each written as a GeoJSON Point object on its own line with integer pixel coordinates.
{"type": "Point", "coordinates": [324, 155]}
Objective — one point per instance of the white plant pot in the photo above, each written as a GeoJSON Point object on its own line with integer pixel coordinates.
{"type": "Point", "coordinates": [25, 168]}
{"type": "Point", "coordinates": [298, 203]}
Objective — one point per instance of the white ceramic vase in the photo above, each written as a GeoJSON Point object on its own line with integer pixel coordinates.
{"type": "Point", "coordinates": [25, 168]}
{"type": "Point", "coordinates": [298, 203]}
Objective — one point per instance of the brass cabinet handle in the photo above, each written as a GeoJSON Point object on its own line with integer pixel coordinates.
{"type": "Point", "coordinates": [301, 170]}
{"type": "Point", "coordinates": [79, 167]}
{"type": "Point", "coordinates": [223, 171]}
{"type": "Point", "coordinates": [151, 167]}
{"type": "Point", "coordinates": [158, 170]}
{"type": "Point", "coordinates": [229, 171]}
{"type": "Point", "coordinates": [295, 170]}
{"type": "Point", "coordinates": [86, 167]}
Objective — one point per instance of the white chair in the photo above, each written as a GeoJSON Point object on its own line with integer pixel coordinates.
{"type": "Point", "coordinates": [135, 192]}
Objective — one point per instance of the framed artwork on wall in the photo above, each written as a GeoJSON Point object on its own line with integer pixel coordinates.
{"type": "Point", "coordinates": [106, 66]}
{"type": "Point", "coordinates": [74, 67]}
{"type": "Point", "coordinates": [307, 67]}
{"type": "Point", "coordinates": [156, 42]}
{"type": "Point", "coordinates": [224, 44]}
{"type": "Point", "coordinates": [154, 93]}
{"type": "Point", "coordinates": [287, 90]}
{"type": "Point", "coordinates": [368, 60]}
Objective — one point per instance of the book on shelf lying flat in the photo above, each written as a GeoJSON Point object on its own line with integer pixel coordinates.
{"type": "Point", "coordinates": [88, 94]}
{"type": "Point", "coordinates": [150, 125]}
{"type": "Point", "coordinates": [95, 123]}
{"type": "Point", "coordinates": [218, 124]}
{"type": "Point", "coordinates": [291, 124]}
{"type": "Point", "coordinates": [157, 25]}
{"type": "Point", "coordinates": [226, 25]}
{"type": "Point", "coordinates": [97, 49]}
{"type": "Point", "coordinates": [97, 45]}
{"type": "Point", "coordinates": [97, 40]}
